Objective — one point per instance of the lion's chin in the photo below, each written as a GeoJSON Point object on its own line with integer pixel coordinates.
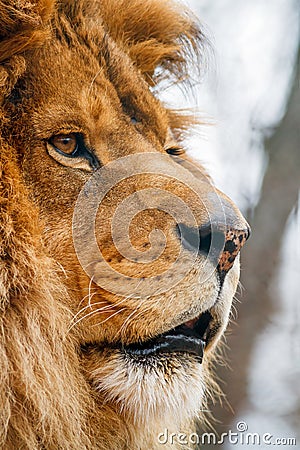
{"type": "Point", "coordinates": [155, 382]}
{"type": "Point", "coordinates": [149, 390]}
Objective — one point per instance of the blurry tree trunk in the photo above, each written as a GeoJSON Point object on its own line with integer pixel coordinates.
{"type": "Point", "coordinates": [260, 256]}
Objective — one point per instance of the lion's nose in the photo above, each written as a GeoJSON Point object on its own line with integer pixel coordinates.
{"type": "Point", "coordinates": [234, 241]}
{"type": "Point", "coordinates": [220, 244]}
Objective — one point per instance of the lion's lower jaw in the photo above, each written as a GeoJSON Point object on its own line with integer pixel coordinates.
{"type": "Point", "coordinates": [164, 394]}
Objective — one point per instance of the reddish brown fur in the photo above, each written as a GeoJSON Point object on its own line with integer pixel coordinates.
{"type": "Point", "coordinates": [47, 395]}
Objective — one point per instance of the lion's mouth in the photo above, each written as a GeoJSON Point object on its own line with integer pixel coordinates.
{"type": "Point", "coordinates": [191, 337]}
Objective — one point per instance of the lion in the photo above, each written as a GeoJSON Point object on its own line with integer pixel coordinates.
{"type": "Point", "coordinates": [119, 258]}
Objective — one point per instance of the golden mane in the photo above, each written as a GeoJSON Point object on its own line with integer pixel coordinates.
{"type": "Point", "coordinates": [45, 401]}
{"type": "Point", "coordinates": [41, 388]}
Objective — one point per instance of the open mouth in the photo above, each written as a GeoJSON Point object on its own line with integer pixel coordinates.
{"type": "Point", "coordinates": [190, 337]}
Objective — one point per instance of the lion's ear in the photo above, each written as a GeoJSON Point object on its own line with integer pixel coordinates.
{"type": "Point", "coordinates": [161, 37]}
{"type": "Point", "coordinates": [23, 25]}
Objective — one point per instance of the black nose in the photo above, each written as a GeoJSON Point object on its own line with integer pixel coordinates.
{"type": "Point", "coordinates": [219, 243]}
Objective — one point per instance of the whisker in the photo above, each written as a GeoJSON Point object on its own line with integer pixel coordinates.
{"type": "Point", "coordinates": [89, 293]}
{"type": "Point", "coordinates": [126, 322]}
{"type": "Point", "coordinates": [131, 314]}
{"type": "Point", "coordinates": [82, 318]}
{"type": "Point", "coordinates": [110, 307]}
{"type": "Point", "coordinates": [86, 296]}
{"type": "Point", "coordinates": [110, 317]}
{"type": "Point", "coordinates": [90, 314]}
{"type": "Point", "coordinates": [85, 308]}
{"type": "Point", "coordinates": [95, 304]}
{"type": "Point", "coordinates": [98, 310]}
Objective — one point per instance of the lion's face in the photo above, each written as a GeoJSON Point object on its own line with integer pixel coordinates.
{"type": "Point", "coordinates": [102, 163]}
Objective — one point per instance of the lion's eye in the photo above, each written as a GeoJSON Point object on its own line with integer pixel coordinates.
{"type": "Point", "coordinates": [175, 151]}
{"type": "Point", "coordinates": [65, 143]}
{"type": "Point", "coordinates": [71, 150]}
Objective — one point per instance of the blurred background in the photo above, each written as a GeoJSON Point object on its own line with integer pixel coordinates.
{"type": "Point", "coordinates": [251, 96]}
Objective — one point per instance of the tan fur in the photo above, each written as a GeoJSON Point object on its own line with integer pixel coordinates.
{"type": "Point", "coordinates": [88, 67]}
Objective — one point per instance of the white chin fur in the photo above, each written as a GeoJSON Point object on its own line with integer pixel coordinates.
{"type": "Point", "coordinates": [165, 390]}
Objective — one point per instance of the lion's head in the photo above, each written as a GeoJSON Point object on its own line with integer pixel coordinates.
{"type": "Point", "coordinates": [119, 258]}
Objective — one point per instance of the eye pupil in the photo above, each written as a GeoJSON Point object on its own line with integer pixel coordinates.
{"type": "Point", "coordinates": [65, 143]}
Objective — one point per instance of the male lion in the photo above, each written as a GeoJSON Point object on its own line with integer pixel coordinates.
{"type": "Point", "coordinates": [119, 259]}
